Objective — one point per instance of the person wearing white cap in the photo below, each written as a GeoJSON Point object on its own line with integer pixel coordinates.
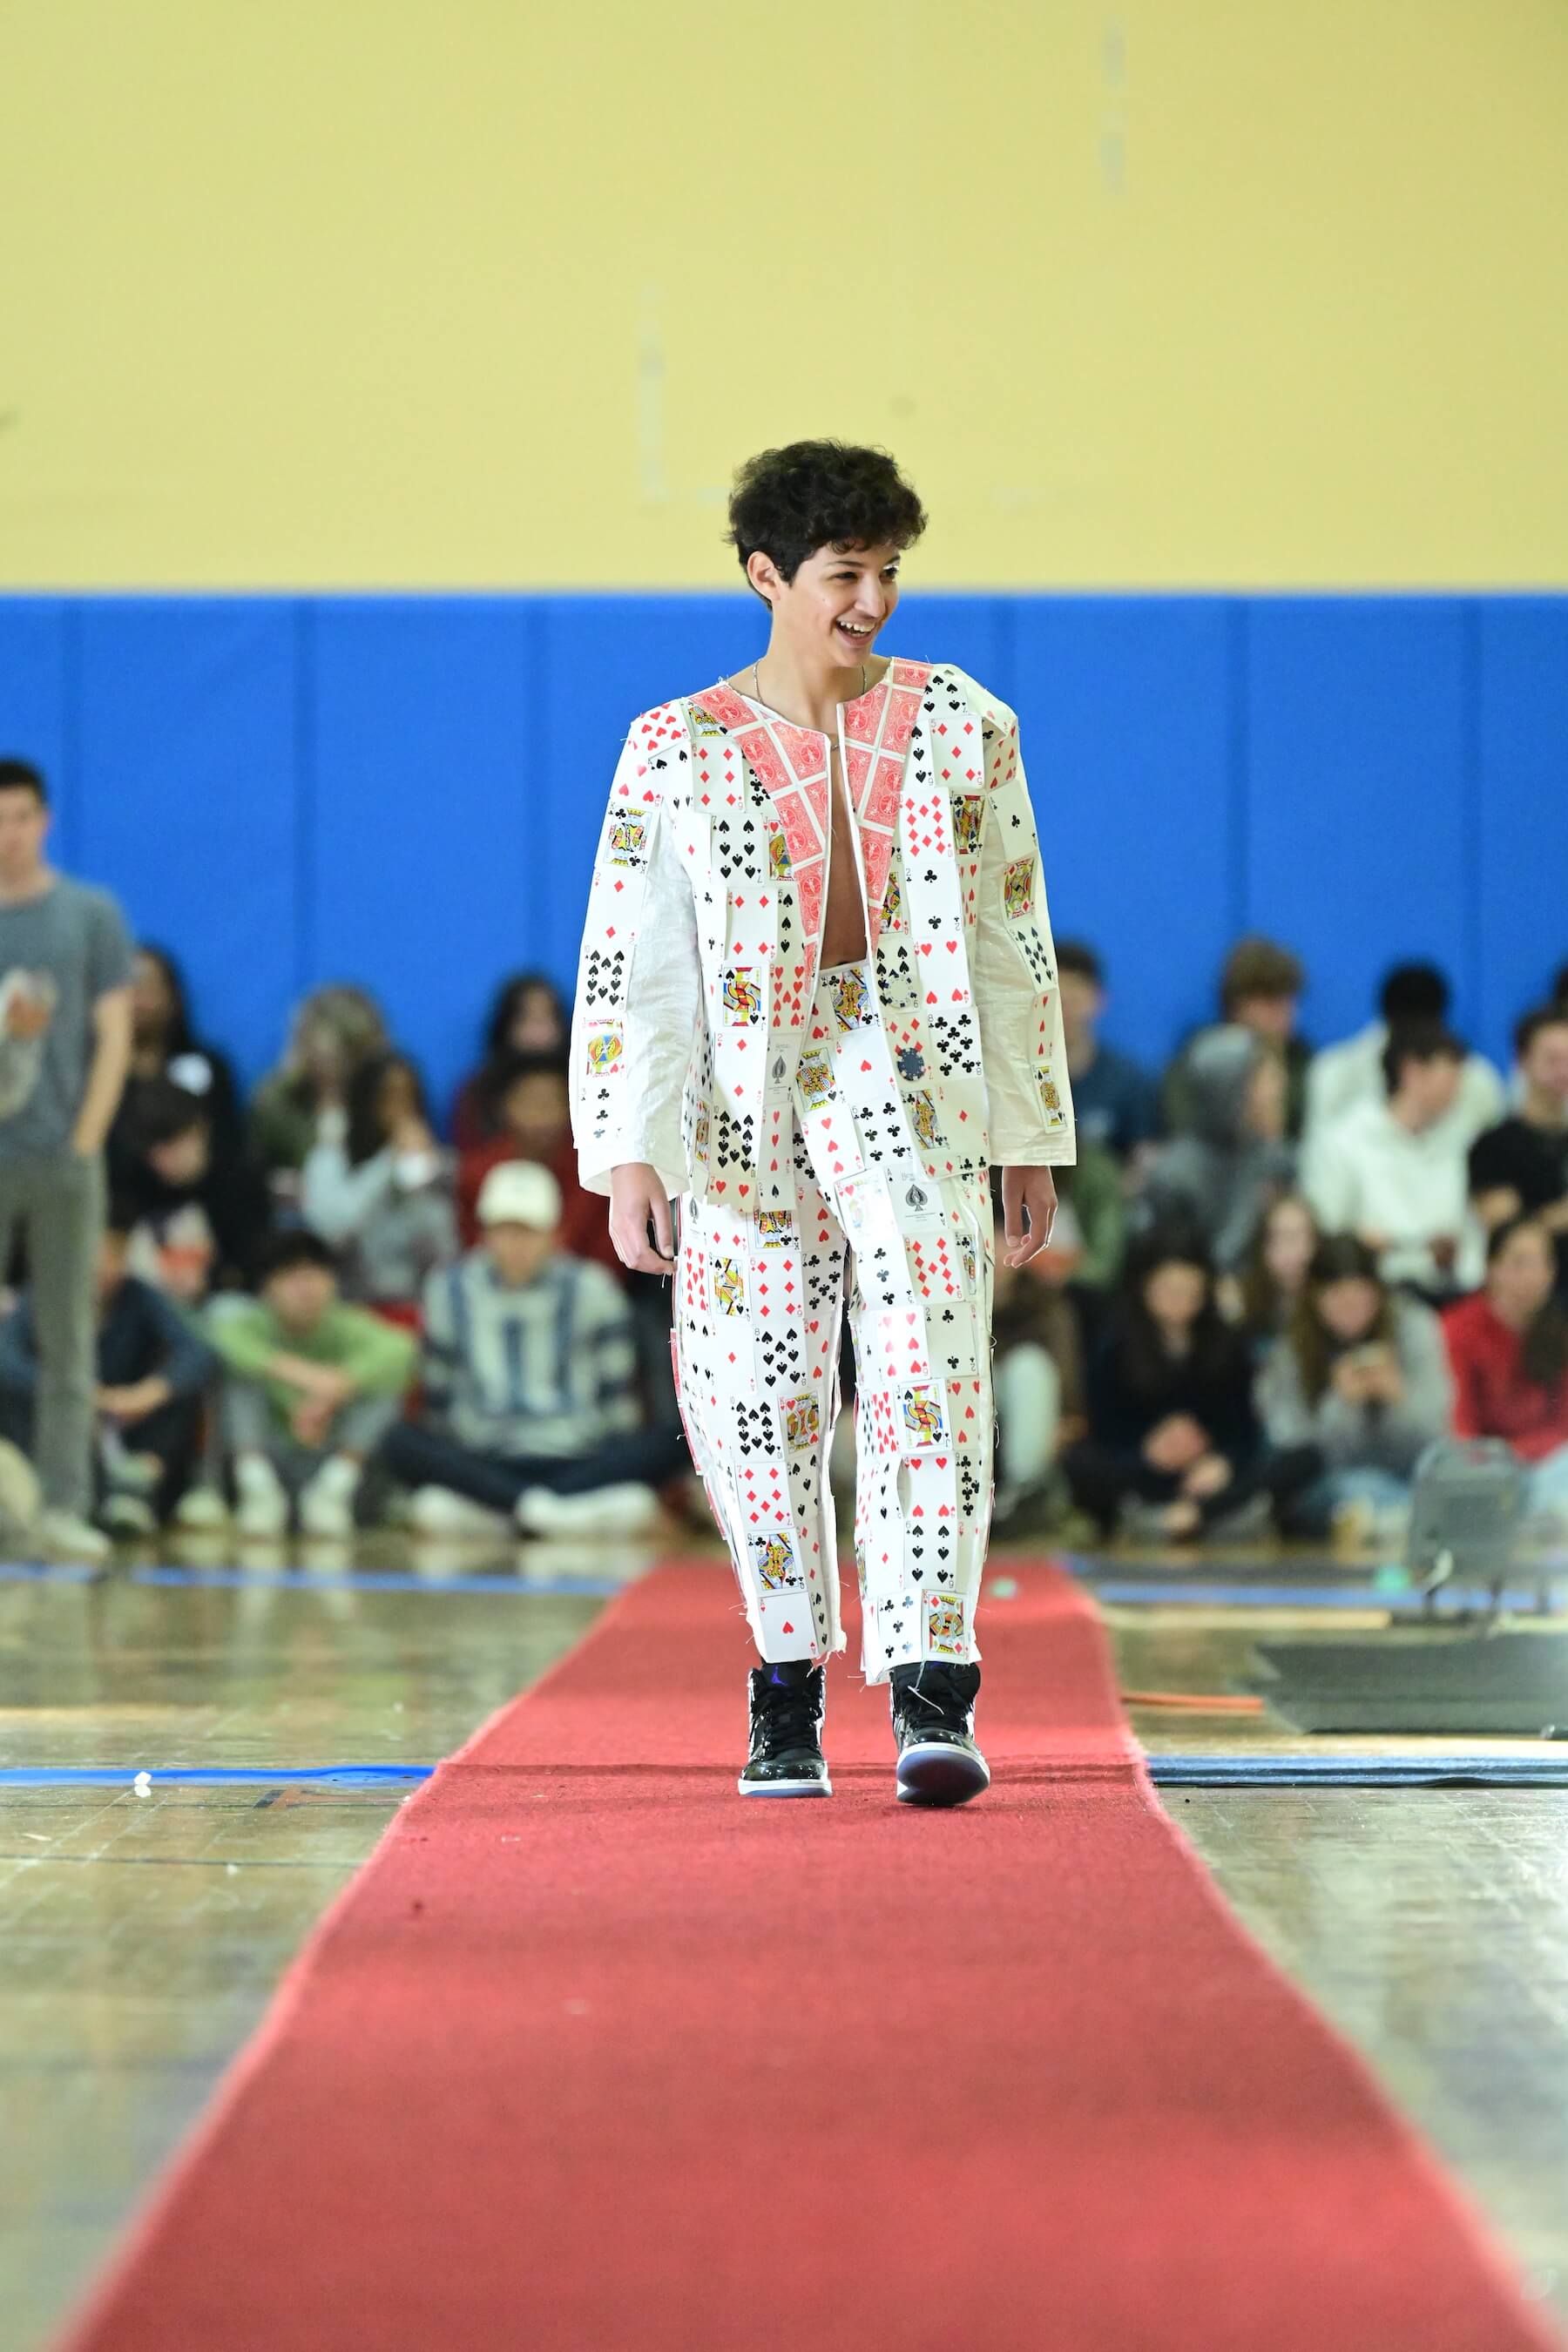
{"type": "Point", "coordinates": [528, 1375]}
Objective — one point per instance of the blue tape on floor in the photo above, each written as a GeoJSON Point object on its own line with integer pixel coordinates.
{"type": "Point", "coordinates": [1242, 1771]}
{"type": "Point", "coordinates": [377, 1579]}
{"type": "Point", "coordinates": [1236, 1771]}
{"type": "Point", "coordinates": [1396, 1603]}
{"type": "Point", "coordinates": [46, 1571]}
{"type": "Point", "coordinates": [209, 1776]}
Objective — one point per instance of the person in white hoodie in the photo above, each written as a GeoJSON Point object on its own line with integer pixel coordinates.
{"type": "Point", "coordinates": [1396, 1172]}
{"type": "Point", "coordinates": [1340, 1077]}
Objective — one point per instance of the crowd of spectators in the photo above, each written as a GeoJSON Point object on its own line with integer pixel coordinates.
{"type": "Point", "coordinates": [1276, 1275]}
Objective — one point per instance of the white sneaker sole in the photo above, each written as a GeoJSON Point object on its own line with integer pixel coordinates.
{"type": "Point", "coordinates": [936, 1774]}
{"type": "Point", "coordinates": [784, 1787]}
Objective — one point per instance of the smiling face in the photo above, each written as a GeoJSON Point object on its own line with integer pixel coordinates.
{"type": "Point", "coordinates": [857, 585]}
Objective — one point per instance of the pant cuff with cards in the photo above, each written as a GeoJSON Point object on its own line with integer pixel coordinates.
{"type": "Point", "coordinates": [759, 1298]}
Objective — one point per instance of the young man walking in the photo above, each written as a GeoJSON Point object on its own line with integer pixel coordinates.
{"type": "Point", "coordinates": [65, 1045]}
{"type": "Point", "coordinates": [816, 999]}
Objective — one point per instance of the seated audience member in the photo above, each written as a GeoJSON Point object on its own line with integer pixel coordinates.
{"type": "Point", "coordinates": [534, 1122]}
{"type": "Point", "coordinates": [1115, 1101]}
{"type": "Point", "coordinates": [1261, 1295]}
{"type": "Point", "coordinates": [1260, 989]}
{"type": "Point", "coordinates": [1233, 1161]}
{"type": "Point", "coordinates": [1174, 1449]}
{"type": "Point", "coordinates": [333, 1030]}
{"type": "Point", "coordinates": [152, 1371]}
{"type": "Point", "coordinates": [381, 1193]}
{"type": "Point", "coordinates": [1341, 1077]}
{"type": "Point", "coordinates": [528, 1385]}
{"type": "Point", "coordinates": [1508, 1350]}
{"type": "Point", "coordinates": [1519, 1166]}
{"type": "Point", "coordinates": [164, 1045]}
{"type": "Point", "coordinates": [528, 1015]}
{"type": "Point", "coordinates": [312, 1385]}
{"type": "Point", "coordinates": [198, 1222]}
{"type": "Point", "coordinates": [1360, 1373]}
{"type": "Point", "coordinates": [1037, 1381]}
{"type": "Point", "coordinates": [1395, 1172]}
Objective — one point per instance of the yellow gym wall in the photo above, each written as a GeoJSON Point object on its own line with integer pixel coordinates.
{"type": "Point", "coordinates": [339, 293]}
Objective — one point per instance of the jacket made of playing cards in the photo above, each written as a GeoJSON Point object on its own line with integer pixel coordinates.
{"type": "Point", "coordinates": [701, 945]}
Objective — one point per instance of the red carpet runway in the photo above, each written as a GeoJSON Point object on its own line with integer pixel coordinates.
{"type": "Point", "coordinates": [593, 2053]}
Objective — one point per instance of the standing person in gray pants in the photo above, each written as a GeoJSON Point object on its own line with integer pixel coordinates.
{"type": "Point", "coordinates": [65, 1047]}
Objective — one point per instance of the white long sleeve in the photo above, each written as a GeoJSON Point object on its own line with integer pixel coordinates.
{"type": "Point", "coordinates": [1014, 966]}
{"type": "Point", "coordinates": [639, 982]}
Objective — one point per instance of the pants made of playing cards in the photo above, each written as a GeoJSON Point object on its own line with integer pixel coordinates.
{"type": "Point", "coordinates": [758, 1304]}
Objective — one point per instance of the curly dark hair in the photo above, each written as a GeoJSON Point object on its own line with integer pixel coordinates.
{"type": "Point", "coordinates": [811, 494]}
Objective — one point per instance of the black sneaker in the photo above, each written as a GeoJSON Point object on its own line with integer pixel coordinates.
{"type": "Point", "coordinates": [934, 1722]}
{"type": "Point", "coordinates": [786, 1759]}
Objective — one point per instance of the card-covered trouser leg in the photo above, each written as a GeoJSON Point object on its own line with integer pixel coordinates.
{"type": "Point", "coordinates": [920, 1230]}
{"type": "Point", "coordinates": [758, 1300]}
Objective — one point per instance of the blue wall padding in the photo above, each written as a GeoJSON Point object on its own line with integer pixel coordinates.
{"type": "Point", "coordinates": [406, 789]}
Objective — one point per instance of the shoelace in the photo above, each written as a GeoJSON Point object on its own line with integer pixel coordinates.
{"type": "Point", "coordinates": [787, 1715]}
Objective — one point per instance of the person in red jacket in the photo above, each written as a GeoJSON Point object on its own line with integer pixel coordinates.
{"type": "Point", "coordinates": [1508, 1345]}
{"type": "Point", "coordinates": [533, 1122]}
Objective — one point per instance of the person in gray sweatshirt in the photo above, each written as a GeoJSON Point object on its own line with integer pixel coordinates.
{"type": "Point", "coordinates": [1362, 1373]}
{"type": "Point", "coordinates": [1235, 1161]}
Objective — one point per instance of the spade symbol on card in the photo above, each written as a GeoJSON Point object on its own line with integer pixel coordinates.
{"type": "Point", "coordinates": [916, 1197]}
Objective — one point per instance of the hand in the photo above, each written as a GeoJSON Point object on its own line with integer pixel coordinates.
{"type": "Point", "coordinates": [637, 1195]}
{"type": "Point", "coordinates": [311, 1420]}
{"type": "Point", "coordinates": [1382, 1378]}
{"type": "Point", "coordinates": [1210, 1476]}
{"type": "Point", "coordinates": [136, 1399]}
{"type": "Point", "coordinates": [410, 1133]}
{"type": "Point", "coordinates": [1026, 1192]}
{"type": "Point", "coordinates": [1349, 1377]}
{"type": "Point", "coordinates": [1175, 1443]}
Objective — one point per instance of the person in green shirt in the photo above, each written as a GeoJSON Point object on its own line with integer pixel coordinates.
{"type": "Point", "coordinates": [312, 1386]}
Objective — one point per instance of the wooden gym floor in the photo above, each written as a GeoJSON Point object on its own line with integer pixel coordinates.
{"type": "Point", "coordinates": [141, 1934]}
